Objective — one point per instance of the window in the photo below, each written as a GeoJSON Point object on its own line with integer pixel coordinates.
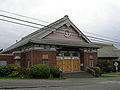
{"type": "Point", "coordinates": [45, 61]}
{"type": "Point", "coordinates": [3, 62]}
{"type": "Point", "coordinates": [90, 63]}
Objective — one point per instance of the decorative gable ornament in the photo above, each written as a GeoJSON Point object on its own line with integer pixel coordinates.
{"type": "Point", "coordinates": [67, 33]}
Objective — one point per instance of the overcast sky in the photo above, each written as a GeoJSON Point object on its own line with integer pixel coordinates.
{"type": "Point", "coordinates": [95, 16]}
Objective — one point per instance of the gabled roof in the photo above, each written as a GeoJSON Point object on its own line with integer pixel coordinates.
{"type": "Point", "coordinates": [118, 54]}
{"type": "Point", "coordinates": [53, 27]}
{"type": "Point", "coordinates": [41, 33]}
{"type": "Point", "coordinates": [107, 51]}
{"type": "Point", "coordinates": [64, 42]}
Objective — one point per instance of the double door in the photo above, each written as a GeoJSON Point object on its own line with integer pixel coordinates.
{"type": "Point", "coordinates": [68, 65]}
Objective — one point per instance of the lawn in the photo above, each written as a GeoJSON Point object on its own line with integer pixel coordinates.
{"type": "Point", "coordinates": [32, 78]}
{"type": "Point", "coordinates": [110, 75]}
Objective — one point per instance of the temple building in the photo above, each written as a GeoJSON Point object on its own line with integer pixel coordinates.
{"type": "Point", "coordinates": [60, 44]}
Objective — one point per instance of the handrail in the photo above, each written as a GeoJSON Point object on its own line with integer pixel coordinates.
{"type": "Point", "coordinates": [91, 71]}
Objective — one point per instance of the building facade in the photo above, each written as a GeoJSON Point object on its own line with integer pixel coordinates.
{"type": "Point", "coordinates": [109, 53]}
{"type": "Point", "coordinates": [60, 44]}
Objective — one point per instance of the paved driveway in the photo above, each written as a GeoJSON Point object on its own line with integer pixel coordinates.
{"type": "Point", "coordinates": [68, 84]}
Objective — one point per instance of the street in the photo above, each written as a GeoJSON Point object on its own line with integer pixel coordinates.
{"type": "Point", "coordinates": [67, 84]}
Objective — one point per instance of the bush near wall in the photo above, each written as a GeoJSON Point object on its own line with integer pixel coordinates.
{"type": "Point", "coordinates": [97, 70]}
{"type": "Point", "coordinates": [17, 70]}
{"type": "Point", "coordinates": [40, 71]}
{"type": "Point", "coordinates": [13, 70]}
{"type": "Point", "coordinates": [105, 66]}
{"type": "Point", "coordinates": [5, 70]}
{"type": "Point", "coordinates": [54, 70]}
{"type": "Point", "coordinates": [36, 71]}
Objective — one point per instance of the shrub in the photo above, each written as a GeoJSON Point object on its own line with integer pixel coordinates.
{"type": "Point", "coordinates": [40, 71]}
{"type": "Point", "coordinates": [14, 67]}
{"type": "Point", "coordinates": [23, 72]}
{"type": "Point", "coordinates": [5, 70]}
{"type": "Point", "coordinates": [27, 73]}
{"type": "Point", "coordinates": [105, 66]}
{"type": "Point", "coordinates": [54, 70]}
{"type": "Point", "coordinates": [17, 70]}
{"type": "Point", "coordinates": [97, 70]}
{"type": "Point", "coordinates": [107, 69]}
{"type": "Point", "coordinates": [14, 74]}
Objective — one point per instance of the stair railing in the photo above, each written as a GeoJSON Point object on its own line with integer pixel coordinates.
{"type": "Point", "coordinates": [91, 71]}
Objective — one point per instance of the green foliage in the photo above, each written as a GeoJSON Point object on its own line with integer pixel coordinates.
{"type": "Point", "coordinates": [14, 67]}
{"type": "Point", "coordinates": [23, 72]}
{"type": "Point", "coordinates": [14, 74]}
{"type": "Point", "coordinates": [40, 71]}
{"type": "Point", "coordinates": [107, 69]}
{"type": "Point", "coordinates": [97, 70]}
{"type": "Point", "coordinates": [17, 71]}
{"type": "Point", "coordinates": [54, 70]}
{"type": "Point", "coordinates": [36, 71]}
{"type": "Point", "coordinates": [5, 70]}
{"type": "Point", "coordinates": [105, 66]}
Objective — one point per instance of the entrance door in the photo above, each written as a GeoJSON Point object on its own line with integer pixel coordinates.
{"type": "Point", "coordinates": [75, 65]}
{"type": "Point", "coordinates": [59, 64]}
{"type": "Point", "coordinates": [67, 65]}
{"type": "Point", "coordinates": [68, 61]}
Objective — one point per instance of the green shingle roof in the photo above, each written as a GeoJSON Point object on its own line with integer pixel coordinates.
{"type": "Point", "coordinates": [107, 50]}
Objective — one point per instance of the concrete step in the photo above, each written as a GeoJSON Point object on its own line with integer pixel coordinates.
{"type": "Point", "coordinates": [82, 74]}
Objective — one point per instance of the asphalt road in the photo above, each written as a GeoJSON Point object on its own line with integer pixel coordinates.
{"type": "Point", "coordinates": [67, 84]}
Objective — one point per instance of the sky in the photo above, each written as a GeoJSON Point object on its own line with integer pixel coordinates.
{"type": "Point", "coordinates": [94, 16]}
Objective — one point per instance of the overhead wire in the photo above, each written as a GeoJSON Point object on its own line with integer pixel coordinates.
{"type": "Point", "coordinates": [44, 26]}
{"type": "Point", "coordinates": [102, 39]}
{"type": "Point", "coordinates": [19, 23]}
{"type": "Point", "coordinates": [21, 20]}
{"type": "Point", "coordinates": [42, 21]}
{"type": "Point", "coordinates": [98, 35]}
{"type": "Point", "coordinates": [23, 16]}
{"type": "Point", "coordinates": [97, 40]}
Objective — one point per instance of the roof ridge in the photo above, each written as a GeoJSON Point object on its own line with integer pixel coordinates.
{"type": "Point", "coordinates": [48, 26]}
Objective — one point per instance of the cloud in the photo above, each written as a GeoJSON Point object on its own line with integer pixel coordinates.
{"type": "Point", "coordinates": [95, 16]}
